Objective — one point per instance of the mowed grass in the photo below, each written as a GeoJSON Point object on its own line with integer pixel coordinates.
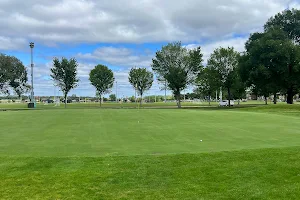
{"type": "Point", "coordinates": [245, 153]}
{"type": "Point", "coordinates": [92, 105]}
{"type": "Point", "coordinates": [102, 132]}
{"type": "Point", "coordinates": [255, 174]}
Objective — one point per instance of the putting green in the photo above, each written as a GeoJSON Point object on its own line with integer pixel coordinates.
{"type": "Point", "coordinates": [100, 132]}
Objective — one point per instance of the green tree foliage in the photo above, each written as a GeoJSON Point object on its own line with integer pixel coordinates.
{"type": "Point", "coordinates": [207, 83]}
{"type": "Point", "coordinates": [272, 64]}
{"type": "Point", "coordinates": [239, 87]}
{"type": "Point", "coordinates": [132, 99]}
{"type": "Point", "coordinates": [64, 74]}
{"type": "Point", "coordinates": [224, 62]}
{"type": "Point", "coordinates": [178, 66]}
{"type": "Point", "coordinates": [102, 79]}
{"type": "Point", "coordinates": [288, 21]}
{"type": "Point", "coordinates": [141, 80]}
{"type": "Point", "coordinates": [105, 99]}
{"type": "Point", "coordinates": [193, 95]}
{"type": "Point", "coordinates": [13, 75]}
{"type": "Point", "coordinates": [256, 77]}
{"type": "Point", "coordinates": [112, 97]}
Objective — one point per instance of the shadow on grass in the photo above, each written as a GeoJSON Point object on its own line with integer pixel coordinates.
{"type": "Point", "coordinates": [244, 107]}
{"type": "Point", "coordinates": [237, 107]}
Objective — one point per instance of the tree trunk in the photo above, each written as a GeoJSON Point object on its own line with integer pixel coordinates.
{"type": "Point", "coordinates": [238, 101]}
{"type": "Point", "coordinates": [179, 103]}
{"type": "Point", "coordinates": [178, 100]}
{"type": "Point", "coordinates": [290, 94]}
{"type": "Point", "coordinates": [266, 100]}
{"type": "Point", "coordinates": [100, 101]}
{"type": "Point", "coordinates": [66, 100]}
{"type": "Point", "coordinates": [209, 100]}
{"type": "Point", "coordinates": [289, 98]}
{"type": "Point", "coordinates": [229, 96]}
{"type": "Point", "coordinates": [141, 100]}
{"type": "Point", "coordinates": [275, 98]}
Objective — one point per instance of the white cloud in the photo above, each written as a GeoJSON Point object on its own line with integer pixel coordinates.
{"type": "Point", "coordinates": [7, 43]}
{"type": "Point", "coordinates": [207, 49]}
{"type": "Point", "coordinates": [57, 23]}
{"type": "Point", "coordinates": [118, 56]}
{"type": "Point", "coordinates": [133, 21]}
{"type": "Point", "coordinates": [295, 4]}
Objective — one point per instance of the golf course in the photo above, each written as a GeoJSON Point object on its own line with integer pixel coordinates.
{"type": "Point", "coordinates": [150, 100]}
{"type": "Point", "coordinates": [198, 152]}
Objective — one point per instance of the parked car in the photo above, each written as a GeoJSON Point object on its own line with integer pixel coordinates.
{"type": "Point", "coordinates": [226, 103]}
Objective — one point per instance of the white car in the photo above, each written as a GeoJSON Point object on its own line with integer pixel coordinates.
{"type": "Point", "coordinates": [226, 103]}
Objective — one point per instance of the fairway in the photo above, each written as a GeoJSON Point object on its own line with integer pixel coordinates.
{"type": "Point", "coordinates": [150, 153]}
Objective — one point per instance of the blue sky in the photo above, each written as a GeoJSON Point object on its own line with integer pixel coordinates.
{"type": "Point", "coordinates": [123, 33]}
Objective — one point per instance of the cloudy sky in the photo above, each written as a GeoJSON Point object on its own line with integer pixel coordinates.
{"type": "Point", "coordinates": [123, 33]}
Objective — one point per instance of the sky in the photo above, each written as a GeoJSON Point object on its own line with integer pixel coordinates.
{"type": "Point", "coordinates": [122, 34]}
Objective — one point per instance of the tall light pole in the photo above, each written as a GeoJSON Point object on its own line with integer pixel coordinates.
{"type": "Point", "coordinates": [32, 93]}
{"type": "Point", "coordinates": [117, 91]}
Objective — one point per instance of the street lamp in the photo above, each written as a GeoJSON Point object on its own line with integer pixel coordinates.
{"type": "Point", "coordinates": [32, 93]}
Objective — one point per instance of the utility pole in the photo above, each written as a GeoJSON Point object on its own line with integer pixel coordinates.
{"type": "Point", "coordinates": [31, 45]}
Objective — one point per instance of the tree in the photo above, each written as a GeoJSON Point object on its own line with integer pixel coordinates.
{"type": "Point", "coordinates": [288, 22]}
{"type": "Point", "coordinates": [272, 62]}
{"type": "Point", "coordinates": [64, 74]}
{"type": "Point", "coordinates": [132, 99]}
{"type": "Point", "coordinates": [239, 87]}
{"type": "Point", "coordinates": [13, 75]}
{"type": "Point", "coordinates": [207, 83]}
{"type": "Point", "coordinates": [255, 77]}
{"type": "Point", "coordinates": [112, 97]}
{"type": "Point", "coordinates": [141, 80]}
{"type": "Point", "coordinates": [224, 61]}
{"type": "Point", "coordinates": [102, 79]}
{"type": "Point", "coordinates": [178, 66]}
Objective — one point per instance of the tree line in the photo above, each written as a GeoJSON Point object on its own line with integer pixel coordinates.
{"type": "Point", "coordinates": [270, 65]}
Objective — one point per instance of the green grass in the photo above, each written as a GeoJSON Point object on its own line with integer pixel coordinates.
{"type": "Point", "coordinates": [246, 153]}
{"type": "Point", "coordinates": [102, 132]}
{"type": "Point", "coordinates": [255, 174]}
{"type": "Point", "coordinates": [118, 105]}
{"type": "Point", "coordinates": [104, 105]}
